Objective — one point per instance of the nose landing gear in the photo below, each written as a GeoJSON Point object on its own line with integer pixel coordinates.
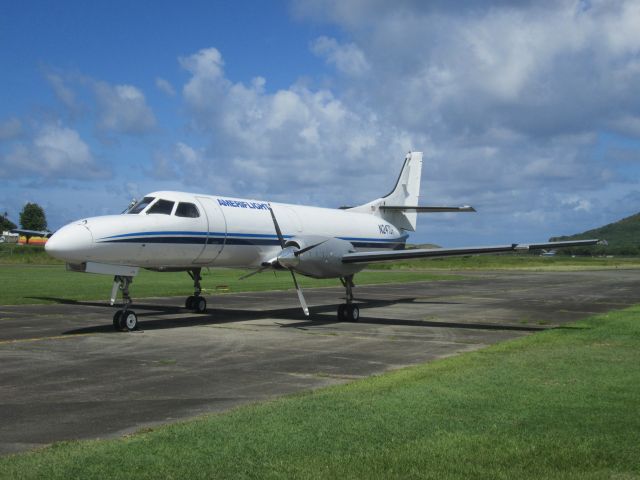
{"type": "Point", "coordinates": [124, 319]}
{"type": "Point", "coordinates": [195, 302]}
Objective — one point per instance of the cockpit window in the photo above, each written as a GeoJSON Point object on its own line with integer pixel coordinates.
{"type": "Point", "coordinates": [162, 207]}
{"type": "Point", "coordinates": [141, 205]}
{"type": "Point", "coordinates": [187, 210]}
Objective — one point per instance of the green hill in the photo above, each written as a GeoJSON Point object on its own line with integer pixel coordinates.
{"type": "Point", "coordinates": [623, 238]}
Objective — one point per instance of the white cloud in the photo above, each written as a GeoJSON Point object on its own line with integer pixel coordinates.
{"type": "Point", "coordinates": [510, 98]}
{"type": "Point", "coordinates": [54, 152]}
{"type": "Point", "coordinates": [347, 58]}
{"type": "Point", "coordinates": [577, 203]}
{"type": "Point", "coordinates": [275, 142]}
{"type": "Point", "coordinates": [62, 91]}
{"type": "Point", "coordinates": [123, 109]}
{"type": "Point", "coordinates": [165, 86]}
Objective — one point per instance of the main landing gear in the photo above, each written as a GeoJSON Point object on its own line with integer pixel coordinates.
{"type": "Point", "coordinates": [195, 302]}
{"type": "Point", "coordinates": [124, 319]}
{"type": "Point", "coordinates": [348, 312]}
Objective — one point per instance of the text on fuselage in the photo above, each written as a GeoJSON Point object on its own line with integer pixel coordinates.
{"type": "Point", "coordinates": [386, 229]}
{"type": "Point", "coordinates": [242, 204]}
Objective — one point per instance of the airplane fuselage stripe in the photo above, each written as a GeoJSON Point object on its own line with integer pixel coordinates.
{"type": "Point", "coordinates": [168, 236]}
{"type": "Point", "coordinates": [237, 241]}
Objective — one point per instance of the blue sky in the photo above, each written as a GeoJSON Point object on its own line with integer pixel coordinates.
{"type": "Point", "coordinates": [530, 111]}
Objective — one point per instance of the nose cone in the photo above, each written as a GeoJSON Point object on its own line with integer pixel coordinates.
{"type": "Point", "coordinates": [288, 259]}
{"type": "Point", "coordinates": [72, 243]}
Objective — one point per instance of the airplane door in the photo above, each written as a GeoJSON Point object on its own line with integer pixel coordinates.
{"type": "Point", "coordinates": [216, 231]}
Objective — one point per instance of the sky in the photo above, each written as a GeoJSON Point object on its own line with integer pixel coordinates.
{"type": "Point", "coordinates": [527, 110]}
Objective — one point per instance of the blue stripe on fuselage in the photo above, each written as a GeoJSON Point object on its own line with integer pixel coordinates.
{"type": "Point", "coordinates": [211, 238]}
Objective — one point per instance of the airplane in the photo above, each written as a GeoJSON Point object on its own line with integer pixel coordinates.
{"type": "Point", "coordinates": [178, 231]}
{"type": "Point", "coordinates": [31, 233]}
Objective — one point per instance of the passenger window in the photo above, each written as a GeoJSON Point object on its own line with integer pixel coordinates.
{"type": "Point", "coordinates": [162, 207]}
{"type": "Point", "coordinates": [187, 210]}
{"type": "Point", "coordinates": [141, 205]}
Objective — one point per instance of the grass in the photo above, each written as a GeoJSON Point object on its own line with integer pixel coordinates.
{"type": "Point", "coordinates": [511, 261]}
{"type": "Point", "coordinates": [559, 404]}
{"type": "Point", "coordinates": [30, 284]}
{"type": "Point", "coordinates": [28, 275]}
{"type": "Point", "coordinates": [14, 254]}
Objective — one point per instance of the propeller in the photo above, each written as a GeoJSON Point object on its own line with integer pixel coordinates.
{"type": "Point", "coordinates": [296, 254]}
{"type": "Point", "coordinates": [282, 260]}
{"type": "Point", "coordinates": [287, 258]}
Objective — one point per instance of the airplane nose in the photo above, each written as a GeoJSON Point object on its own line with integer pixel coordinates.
{"type": "Point", "coordinates": [71, 243]}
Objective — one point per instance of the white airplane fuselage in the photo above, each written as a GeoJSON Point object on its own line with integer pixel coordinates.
{"type": "Point", "coordinates": [228, 232]}
{"type": "Point", "coordinates": [186, 231]}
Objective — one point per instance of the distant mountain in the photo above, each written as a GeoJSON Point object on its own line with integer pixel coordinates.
{"type": "Point", "coordinates": [623, 238]}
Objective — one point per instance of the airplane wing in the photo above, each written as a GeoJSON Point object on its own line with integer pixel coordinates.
{"type": "Point", "coordinates": [426, 209]}
{"type": "Point", "coordinates": [370, 257]}
{"type": "Point", "coordinates": [31, 233]}
{"type": "Point", "coordinates": [420, 208]}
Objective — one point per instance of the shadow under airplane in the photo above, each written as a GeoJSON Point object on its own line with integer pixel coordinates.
{"type": "Point", "coordinates": [216, 316]}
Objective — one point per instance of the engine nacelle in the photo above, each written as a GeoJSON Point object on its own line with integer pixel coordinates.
{"type": "Point", "coordinates": [324, 260]}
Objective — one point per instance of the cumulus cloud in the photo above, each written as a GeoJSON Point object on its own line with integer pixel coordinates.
{"type": "Point", "coordinates": [54, 152]}
{"type": "Point", "coordinates": [512, 99]}
{"type": "Point", "coordinates": [347, 58]}
{"type": "Point", "coordinates": [540, 68]}
{"type": "Point", "coordinates": [123, 109]}
{"type": "Point", "coordinates": [272, 142]}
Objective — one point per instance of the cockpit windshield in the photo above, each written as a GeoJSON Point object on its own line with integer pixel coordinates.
{"type": "Point", "coordinates": [141, 205]}
{"type": "Point", "coordinates": [163, 207]}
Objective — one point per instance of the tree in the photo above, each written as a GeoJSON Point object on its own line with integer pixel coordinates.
{"type": "Point", "coordinates": [5, 223]}
{"type": "Point", "coordinates": [32, 217]}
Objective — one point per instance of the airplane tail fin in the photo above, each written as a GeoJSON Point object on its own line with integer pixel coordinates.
{"type": "Point", "coordinates": [400, 207]}
{"type": "Point", "coordinates": [407, 189]}
{"type": "Point", "coordinates": [406, 193]}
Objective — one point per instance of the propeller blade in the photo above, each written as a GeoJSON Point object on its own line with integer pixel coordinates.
{"type": "Point", "coordinates": [250, 274]}
{"type": "Point", "coordinates": [275, 224]}
{"type": "Point", "coordinates": [297, 253]}
{"type": "Point", "coordinates": [303, 303]}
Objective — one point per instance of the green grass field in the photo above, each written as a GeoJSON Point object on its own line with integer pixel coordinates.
{"type": "Point", "coordinates": [558, 404]}
{"type": "Point", "coordinates": [28, 275]}
{"type": "Point", "coordinates": [13, 254]}
{"type": "Point", "coordinates": [511, 262]}
{"type": "Point", "coordinates": [30, 284]}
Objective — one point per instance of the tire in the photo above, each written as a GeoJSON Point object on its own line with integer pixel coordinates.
{"type": "Point", "coordinates": [354, 313]}
{"type": "Point", "coordinates": [199, 305]}
{"type": "Point", "coordinates": [188, 304]}
{"type": "Point", "coordinates": [342, 312]}
{"type": "Point", "coordinates": [116, 320]}
{"type": "Point", "coordinates": [129, 320]}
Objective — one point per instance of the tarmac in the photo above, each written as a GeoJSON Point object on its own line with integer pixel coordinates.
{"type": "Point", "coordinates": [66, 374]}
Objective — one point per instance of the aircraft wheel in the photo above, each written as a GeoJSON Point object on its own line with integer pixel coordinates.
{"type": "Point", "coordinates": [129, 320]}
{"type": "Point", "coordinates": [342, 316]}
{"type": "Point", "coordinates": [352, 313]}
{"type": "Point", "coordinates": [116, 320]}
{"type": "Point", "coordinates": [199, 305]}
{"type": "Point", "coordinates": [188, 304]}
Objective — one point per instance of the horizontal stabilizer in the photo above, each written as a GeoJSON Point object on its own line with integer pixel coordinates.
{"type": "Point", "coordinates": [369, 257]}
{"type": "Point", "coordinates": [426, 209]}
